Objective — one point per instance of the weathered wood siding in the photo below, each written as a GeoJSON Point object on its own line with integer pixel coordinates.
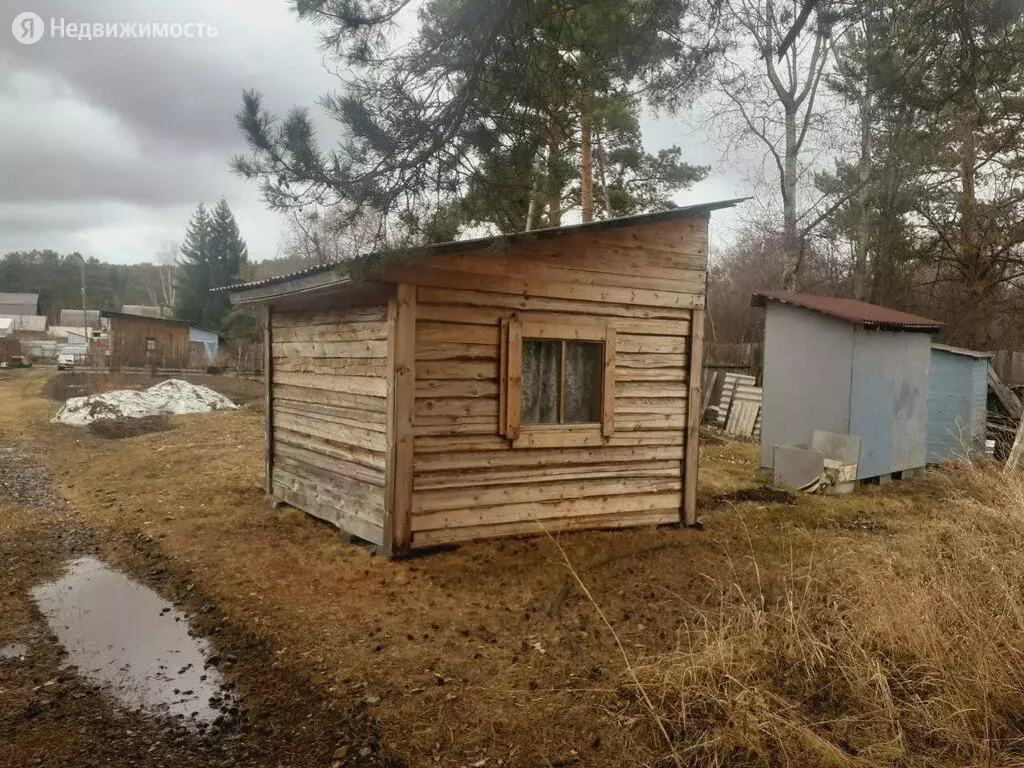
{"type": "Point", "coordinates": [329, 414]}
{"type": "Point", "coordinates": [128, 349]}
{"type": "Point", "coordinates": [468, 482]}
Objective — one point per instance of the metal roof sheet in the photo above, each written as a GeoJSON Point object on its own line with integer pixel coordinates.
{"type": "Point", "coordinates": [147, 310]}
{"type": "Point", "coordinates": [70, 317]}
{"type": "Point", "coordinates": [851, 310]}
{"type": "Point", "coordinates": [35, 323]}
{"type": "Point", "coordinates": [961, 351]}
{"type": "Point", "coordinates": [347, 268]}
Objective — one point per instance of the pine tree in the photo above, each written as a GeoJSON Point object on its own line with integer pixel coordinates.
{"type": "Point", "coordinates": [494, 113]}
{"type": "Point", "coordinates": [212, 255]}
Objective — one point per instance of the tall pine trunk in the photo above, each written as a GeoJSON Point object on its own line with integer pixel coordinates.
{"type": "Point", "coordinates": [602, 176]}
{"type": "Point", "coordinates": [586, 163]}
{"type": "Point", "coordinates": [554, 185]}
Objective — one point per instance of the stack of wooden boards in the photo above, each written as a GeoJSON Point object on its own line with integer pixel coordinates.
{"type": "Point", "coordinates": [737, 407]}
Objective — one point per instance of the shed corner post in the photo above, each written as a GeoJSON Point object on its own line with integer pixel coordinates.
{"type": "Point", "coordinates": [693, 418]}
{"type": "Point", "coordinates": [268, 411]}
{"type": "Point", "coordinates": [401, 372]}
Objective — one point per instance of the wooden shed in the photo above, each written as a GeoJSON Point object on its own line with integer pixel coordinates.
{"type": "Point", "coordinates": [957, 403]}
{"type": "Point", "coordinates": [494, 386]}
{"type": "Point", "coordinates": [845, 366]}
{"type": "Point", "coordinates": [138, 341]}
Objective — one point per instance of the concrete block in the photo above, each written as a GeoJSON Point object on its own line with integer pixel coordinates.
{"type": "Point", "coordinates": [797, 466]}
{"type": "Point", "coordinates": [837, 446]}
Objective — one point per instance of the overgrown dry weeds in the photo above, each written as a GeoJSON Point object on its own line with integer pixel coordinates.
{"type": "Point", "coordinates": [877, 628]}
{"type": "Point", "coordinates": [909, 651]}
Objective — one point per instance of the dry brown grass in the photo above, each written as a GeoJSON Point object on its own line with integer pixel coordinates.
{"type": "Point", "coordinates": [908, 652]}
{"type": "Point", "coordinates": [881, 628]}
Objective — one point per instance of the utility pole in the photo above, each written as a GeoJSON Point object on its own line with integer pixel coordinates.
{"type": "Point", "coordinates": [85, 317]}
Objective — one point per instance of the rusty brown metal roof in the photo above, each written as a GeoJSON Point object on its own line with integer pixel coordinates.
{"type": "Point", "coordinates": [860, 313]}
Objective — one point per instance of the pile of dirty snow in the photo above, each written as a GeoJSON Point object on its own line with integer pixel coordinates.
{"type": "Point", "coordinates": [173, 396]}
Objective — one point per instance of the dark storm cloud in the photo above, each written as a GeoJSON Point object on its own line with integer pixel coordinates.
{"type": "Point", "coordinates": [137, 131]}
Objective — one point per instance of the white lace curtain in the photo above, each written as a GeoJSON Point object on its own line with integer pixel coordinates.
{"type": "Point", "coordinates": [543, 364]}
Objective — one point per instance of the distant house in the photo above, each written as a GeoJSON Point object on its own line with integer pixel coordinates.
{"type": "Point", "coordinates": [22, 309]}
{"type": "Point", "coordinates": [27, 323]}
{"type": "Point", "coordinates": [19, 304]}
{"type": "Point", "coordinates": [137, 341]}
{"type": "Point", "coordinates": [74, 318]}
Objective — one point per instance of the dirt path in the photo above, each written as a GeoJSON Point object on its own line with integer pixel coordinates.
{"type": "Point", "coordinates": [487, 655]}
{"type": "Point", "coordinates": [52, 715]}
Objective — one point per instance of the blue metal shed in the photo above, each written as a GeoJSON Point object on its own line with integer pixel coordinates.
{"type": "Point", "coordinates": [845, 366]}
{"type": "Point", "coordinates": [209, 339]}
{"type": "Point", "coordinates": [957, 401]}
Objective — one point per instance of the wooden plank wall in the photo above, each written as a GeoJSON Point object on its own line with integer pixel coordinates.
{"type": "Point", "coordinates": [646, 281]}
{"type": "Point", "coordinates": [128, 344]}
{"type": "Point", "coordinates": [329, 379]}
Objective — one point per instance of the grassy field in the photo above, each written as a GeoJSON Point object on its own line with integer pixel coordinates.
{"type": "Point", "coordinates": [881, 628]}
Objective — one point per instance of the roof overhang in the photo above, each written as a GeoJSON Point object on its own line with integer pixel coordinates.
{"type": "Point", "coordinates": [962, 351]}
{"type": "Point", "coordinates": [349, 276]}
{"type": "Point", "coordinates": [875, 318]}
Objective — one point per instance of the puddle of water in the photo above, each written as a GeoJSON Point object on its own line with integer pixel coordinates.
{"type": "Point", "coordinates": [127, 638]}
{"type": "Point", "coordinates": [13, 651]}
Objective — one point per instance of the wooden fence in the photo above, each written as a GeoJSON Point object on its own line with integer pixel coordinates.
{"type": "Point", "coordinates": [740, 358]}
{"type": "Point", "coordinates": [1009, 364]}
{"type": "Point", "coordinates": [245, 359]}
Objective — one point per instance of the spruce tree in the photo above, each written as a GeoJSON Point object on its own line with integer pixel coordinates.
{"type": "Point", "coordinates": [193, 278]}
{"type": "Point", "coordinates": [212, 255]}
{"type": "Point", "coordinates": [228, 254]}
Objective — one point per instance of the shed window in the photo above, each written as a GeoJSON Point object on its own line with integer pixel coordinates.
{"type": "Point", "coordinates": [561, 381]}
{"type": "Point", "coordinates": [151, 344]}
{"type": "Point", "coordinates": [557, 382]}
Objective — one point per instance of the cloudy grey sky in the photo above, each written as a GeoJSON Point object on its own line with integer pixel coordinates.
{"type": "Point", "coordinates": [106, 145]}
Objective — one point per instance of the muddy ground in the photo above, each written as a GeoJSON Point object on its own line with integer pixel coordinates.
{"type": "Point", "coordinates": [485, 655]}
{"type": "Point", "coordinates": [52, 716]}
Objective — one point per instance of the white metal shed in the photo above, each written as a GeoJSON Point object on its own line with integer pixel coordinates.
{"type": "Point", "coordinates": [850, 367]}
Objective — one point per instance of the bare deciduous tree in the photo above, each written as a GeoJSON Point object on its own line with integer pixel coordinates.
{"type": "Point", "coordinates": [161, 293]}
{"type": "Point", "coordinates": [774, 102]}
{"type": "Point", "coordinates": [325, 236]}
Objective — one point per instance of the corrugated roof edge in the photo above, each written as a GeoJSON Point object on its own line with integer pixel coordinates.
{"type": "Point", "coordinates": [345, 268]}
{"type": "Point", "coordinates": [871, 316]}
{"type": "Point", "coordinates": [962, 351]}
